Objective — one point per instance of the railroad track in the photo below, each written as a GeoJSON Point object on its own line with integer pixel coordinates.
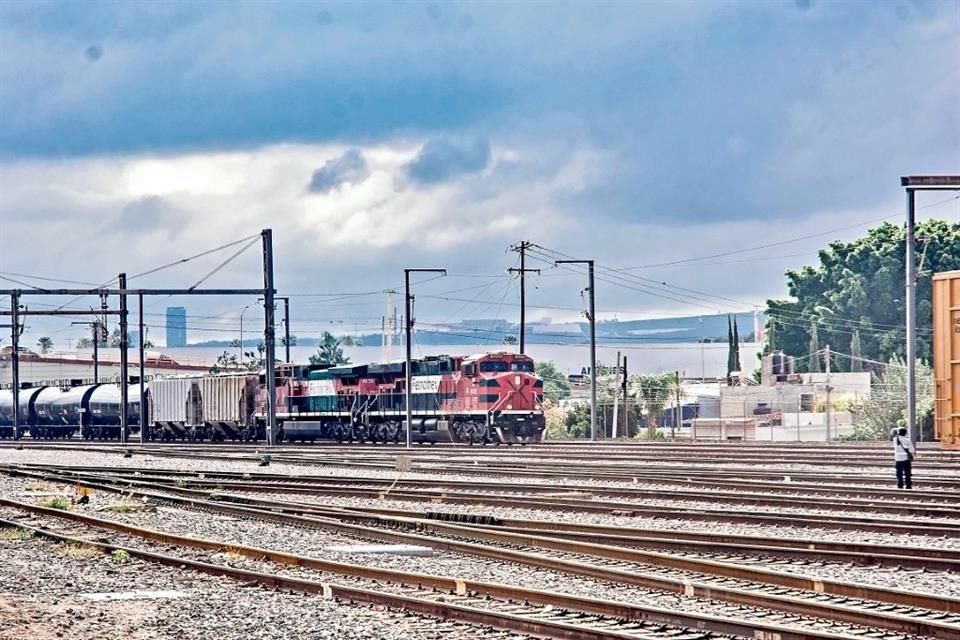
{"type": "Point", "coordinates": [516, 609]}
{"type": "Point", "coordinates": [824, 495]}
{"type": "Point", "coordinates": [781, 549]}
{"type": "Point", "coordinates": [789, 594]}
{"type": "Point", "coordinates": [697, 466]}
{"type": "Point", "coordinates": [690, 512]}
{"type": "Point", "coordinates": [791, 489]}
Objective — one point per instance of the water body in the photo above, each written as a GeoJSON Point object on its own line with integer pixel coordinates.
{"type": "Point", "coordinates": [691, 360]}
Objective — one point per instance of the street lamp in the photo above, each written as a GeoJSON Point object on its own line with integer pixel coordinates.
{"type": "Point", "coordinates": [409, 326]}
{"type": "Point", "coordinates": [241, 332]}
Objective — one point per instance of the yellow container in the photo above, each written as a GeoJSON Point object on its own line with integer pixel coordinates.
{"type": "Point", "coordinates": [946, 357]}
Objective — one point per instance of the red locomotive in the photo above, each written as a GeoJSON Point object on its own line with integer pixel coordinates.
{"type": "Point", "coordinates": [483, 398]}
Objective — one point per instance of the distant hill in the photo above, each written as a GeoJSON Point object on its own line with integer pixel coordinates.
{"type": "Point", "coordinates": [681, 329]}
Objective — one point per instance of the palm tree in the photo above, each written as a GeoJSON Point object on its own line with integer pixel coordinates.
{"type": "Point", "coordinates": [45, 343]}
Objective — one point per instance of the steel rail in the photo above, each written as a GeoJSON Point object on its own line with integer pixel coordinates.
{"type": "Point", "coordinates": [941, 498]}
{"type": "Point", "coordinates": [446, 610]}
{"type": "Point", "coordinates": [864, 553]}
{"type": "Point", "coordinates": [298, 485]}
{"type": "Point", "coordinates": [869, 615]}
{"type": "Point", "coordinates": [857, 523]}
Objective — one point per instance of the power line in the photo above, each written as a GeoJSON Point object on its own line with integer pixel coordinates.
{"type": "Point", "coordinates": [783, 242]}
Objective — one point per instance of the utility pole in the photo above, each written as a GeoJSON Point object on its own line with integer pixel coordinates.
{"type": "Point", "coordinates": [15, 360]}
{"type": "Point", "coordinates": [124, 377]}
{"type": "Point", "coordinates": [826, 352]}
{"type": "Point", "coordinates": [626, 405]}
{"type": "Point", "coordinates": [95, 331]}
{"type": "Point", "coordinates": [269, 335]}
{"type": "Point", "coordinates": [616, 398]}
{"type": "Point", "coordinates": [143, 389]}
{"type": "Point", "coordinates": [389, 327]}
{"type": "Point", "coordinates": [286, 325]}
{"type": "Point", "coordinates": [409, 340]}
{"type": "Point", "coordinates": [286, 328]}
{"type": "Point", "coordinates": [593, 344]}
{"type": "Point", "coordinates": [679, 421]}
{"type": "Point", "coordinates": [522, 249]}
{"type": "Point", "coordinates": [703, 359]}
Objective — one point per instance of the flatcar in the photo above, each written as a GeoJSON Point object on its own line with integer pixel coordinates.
{"type": "Point", "coordinates": [483, 398]}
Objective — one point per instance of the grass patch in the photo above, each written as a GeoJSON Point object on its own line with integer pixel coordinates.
{"type": "Point", "coordinates": [181, 483]}
{"type": "Point", "coordinates": [232, 554]}
{"type": "Point", "coordinates": [15, 533]}
{"type": "Point", "coordinates": [120, 556]}
{"type": "Point", "coordinates": [80, 551]}
{"type": "Point", "coordinates": [56, 502]}
{"type": "Point", "coordinates": [129, 507]}
{"type": "Point", "coordinates": [36, 486]}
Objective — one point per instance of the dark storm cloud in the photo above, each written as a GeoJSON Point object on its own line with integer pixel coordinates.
{"type": "Point", "coordinates": [94, 52]}
{"type": "Point", "coordinates": [350, 167]}
{"type": "Point", "coordinates": [697, 110]}
{"type": "Point", "coordinates": [148, 213]}
{"type": "Point", "coordinates": [441, 160]}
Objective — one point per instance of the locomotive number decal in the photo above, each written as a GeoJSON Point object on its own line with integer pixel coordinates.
{"type": "Point", "coordinates": [425, 384]}
{"type": "Point", "coordinates": [321, 388]}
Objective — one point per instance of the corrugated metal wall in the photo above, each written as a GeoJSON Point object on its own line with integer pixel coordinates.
{"type": "Point", "coordinates": [228, 398]}
{"type": "Point", "coordinates": [946, 357]}
{"type": "Point", "coordinates": [169, 399]}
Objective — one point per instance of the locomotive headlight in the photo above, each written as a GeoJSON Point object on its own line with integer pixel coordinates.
{"type": "Point", "coordinates": [516, 380]}
{"type": "Point", "coordinates": [509, 406]}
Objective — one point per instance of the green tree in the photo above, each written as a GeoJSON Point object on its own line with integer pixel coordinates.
{"type": "Point", "coordinates": [85, 343]}
{"type": "Point", "coordinates": [510, 340]}
{"type": "Point", "coordinates": [653, 392]}
{"type": "Point", "coordinates": [225, 362]}
{"type": "Point", "coordinates": [886, 407]}
{"type": "Point", "coordinates": [293, 341]}
{"type": "Point", "coordinates": [856, 352]}
{"type": "Point", "coordinates": [577, 421]}
{"type": "Point", "coordinates": [329, 352]}
{"type": "Point", "coordinates": [860, 286]}
{"type": "Point", "coordinates": [115, 338]}
{"type": "Point", "coordinates": [736, 347]}
{"type": "Point", "coordinates": [730, 362]}
{"type": "Point", "coordinates": [813, 366]}
{"type": "Point", "coordinates": [555, 384]}
{"type": "Point", "coordinates": [45, 343]}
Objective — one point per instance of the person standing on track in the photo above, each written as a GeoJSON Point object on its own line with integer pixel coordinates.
{"type": "Point", "coordinates": [903, 453]}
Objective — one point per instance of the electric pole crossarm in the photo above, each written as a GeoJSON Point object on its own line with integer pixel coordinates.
{"type": "Point", "coordinates": [522, 249]}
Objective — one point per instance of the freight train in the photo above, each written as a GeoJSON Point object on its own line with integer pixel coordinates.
{"type": "Point", "coordinates": [93, 411]}
{"type": "Point", "coordinates": [478, 399]}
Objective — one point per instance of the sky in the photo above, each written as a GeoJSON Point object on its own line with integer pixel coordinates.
{"type": "Point", "coordinates": [376, 136]}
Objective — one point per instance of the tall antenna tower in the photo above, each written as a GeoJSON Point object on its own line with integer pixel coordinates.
{"type": "Point", "coordinates": [389, 327]}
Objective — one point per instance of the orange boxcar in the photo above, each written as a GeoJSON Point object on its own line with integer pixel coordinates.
{"type": "Point", "coordinates": [946, 357]}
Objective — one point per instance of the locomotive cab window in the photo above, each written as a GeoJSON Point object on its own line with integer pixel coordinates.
{"type": "Point", "coordinates": [494, 366]}
{"type": "Point", "coordinates": [522, 366]}
{"type": "Point", "coordinates": [470, 370]}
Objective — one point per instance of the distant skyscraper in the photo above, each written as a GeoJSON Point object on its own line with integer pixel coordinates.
{"type": "Point", "coordinates": [176, 327]}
